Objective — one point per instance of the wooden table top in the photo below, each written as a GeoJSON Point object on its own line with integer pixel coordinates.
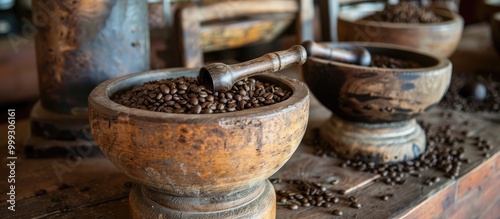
{"type": "Point", "coordinates": [94, 188]}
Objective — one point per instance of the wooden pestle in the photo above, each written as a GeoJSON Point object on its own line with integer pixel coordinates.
{"type": "Point", "coordinates": [354, 55]}
{"type": "Point", "coordinates": [221, 77]}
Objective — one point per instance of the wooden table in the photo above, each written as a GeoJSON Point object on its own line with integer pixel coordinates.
{"type": "Point", "coordinates": [97, 190]}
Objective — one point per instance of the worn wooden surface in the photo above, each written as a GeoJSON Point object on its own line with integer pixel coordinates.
{"type": "Point", "coordinates": [471, 195]}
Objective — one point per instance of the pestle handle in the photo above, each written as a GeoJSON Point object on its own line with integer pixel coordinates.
{"type": "Point", "coordinates": [221, 77]}
{"type": "Point", "coordinates": [354, 55]}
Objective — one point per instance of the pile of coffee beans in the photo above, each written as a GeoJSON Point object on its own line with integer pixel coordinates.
{"type": "Point", "coordinates": [186, 95]}
{"type": "Point", "coordinates": [381, 61]}
{"type": "Point", "coordinates": [405, 12]}
{"type": "Point", "coordinates": [467, 94]}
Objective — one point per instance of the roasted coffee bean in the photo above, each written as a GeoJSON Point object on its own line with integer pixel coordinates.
{"type": "Point", "coordinates": [355, 205]}
{"type": "Point", "coordinates": [40, 192]}
{"type": "Point", "coordinates": [337, 212]}
{"type": "Point", "coordinates": [64, 209]}
{"type": "Point", "coordinates": [85, 189]}
{"type": "Point", "coordinates": [183, 94]}
{"type": "Point", "coordinates": [342, 191]}
{"type": "Point", "coordinates": [293, 207]}
{"type": "Point", "coordinates": [63, 186]}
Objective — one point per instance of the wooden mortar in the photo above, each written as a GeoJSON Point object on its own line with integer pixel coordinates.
{"type": "Point", "coordinates": [374, 109]}
{"type": "Point", "coordinates": [439, 38]}
{"type": "Point", "coordinates": [199, 165]}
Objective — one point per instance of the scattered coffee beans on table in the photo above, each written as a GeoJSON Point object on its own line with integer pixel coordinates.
{"type": "Point", "coordinates": [444, 153]}
{"type": "Point", "coordinates": [185, 95]}
{"type": "Point", "coordinates": [304, 193]}
{"type": "Point", "coordinates": [405, 12]}
{"type": "Point", "coordinates": [381, 61]}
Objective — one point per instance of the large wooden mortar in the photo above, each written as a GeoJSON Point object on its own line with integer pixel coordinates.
{"type": "Point", "coordinates": [199, 165]}
{"type": "Point", "coordinates": [374, 109]}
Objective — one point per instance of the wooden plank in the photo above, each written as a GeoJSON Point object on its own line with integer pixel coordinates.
{"type": "Point", "coordinates": [84, 195]}
{"type": "Point", "coordinates": [49, 174]}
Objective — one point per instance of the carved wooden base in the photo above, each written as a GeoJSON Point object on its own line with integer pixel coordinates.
{"type": "Point", "coordinates": [59, 135]}
{"type": "Point", "coordinates": [379, 143]}
{"type": "Point", "coordinates": [256, 202]}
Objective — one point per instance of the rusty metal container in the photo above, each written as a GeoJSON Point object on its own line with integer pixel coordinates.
{"type": "Point", "coordinates": [81, 43]}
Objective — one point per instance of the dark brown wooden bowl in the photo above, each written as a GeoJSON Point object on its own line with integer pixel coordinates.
{"type": "Point", "coordinates": [440, 38]}
{"type": "Point", "coordinates": [197, 155]}
{"type": "Point", "coordinates": [379, 95]}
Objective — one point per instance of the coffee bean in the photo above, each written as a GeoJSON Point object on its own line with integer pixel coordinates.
{"type": "Point", "coordinates": [293, 207]}
{"type": "Point", "coordinates": [64, 209]}
{"type": "Point", "coordinates": [355, 205]}
{"type": "Point", "coordinates": [40, 192]}
{"type": "Point", "coordinates": [63, 186]}
{"type": "Point", "coordinates": [342, 191]}
{"type": "Point", "coordinates": [85, 189]}
{"type": "Point", "coordinates": [337, 212]}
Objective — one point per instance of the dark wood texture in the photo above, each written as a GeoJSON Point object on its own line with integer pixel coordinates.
{"type": "Point", "coordinates": [221, 77]}
{"type": "Point", "coordinates": [222, 156]}
{"type": "Point", "coordinates": [440, 38]}
{"type": "Point", "coordinates": [233, 24]}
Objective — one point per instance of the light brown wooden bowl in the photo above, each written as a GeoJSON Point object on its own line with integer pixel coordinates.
{"type": "Point", "coordinates": [197, 155]}
{"type": "Point", "coordinates": [440, 38]}
{"type": "Point", "coordinates": [379, 95]}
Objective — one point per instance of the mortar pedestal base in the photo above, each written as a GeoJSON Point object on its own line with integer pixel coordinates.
{"type": "Point", "coordinates": [256, 202]}
{"type": "Point", "coordinates": [378, 143]}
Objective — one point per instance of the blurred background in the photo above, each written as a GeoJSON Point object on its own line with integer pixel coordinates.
{"type": "Point", "coordinates": [18, 73]}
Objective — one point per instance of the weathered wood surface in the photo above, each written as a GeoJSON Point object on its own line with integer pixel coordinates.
{"type": "Point", "coordinates": [473, 194]}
